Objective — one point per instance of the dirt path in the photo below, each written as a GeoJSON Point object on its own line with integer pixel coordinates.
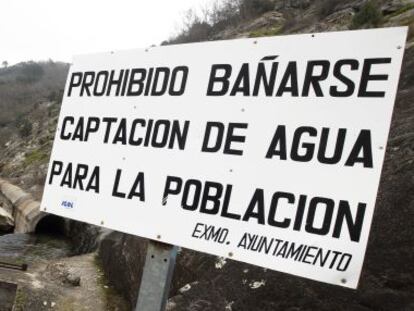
{"type": "Point", "coordinates": [51, 285]}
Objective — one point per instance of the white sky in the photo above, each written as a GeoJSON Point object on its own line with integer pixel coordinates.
{"type": "Point", "coordinates": [59, 29]}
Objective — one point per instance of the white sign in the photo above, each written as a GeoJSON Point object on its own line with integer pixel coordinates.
{"type": "Point", "coordinates": [267, 150]}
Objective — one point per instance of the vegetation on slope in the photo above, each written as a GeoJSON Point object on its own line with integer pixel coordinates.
{"type": "Point", "coordinates": [26, 84]}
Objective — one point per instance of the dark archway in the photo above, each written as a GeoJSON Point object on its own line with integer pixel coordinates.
{"type": "Point", "coordinates": [51, 224]}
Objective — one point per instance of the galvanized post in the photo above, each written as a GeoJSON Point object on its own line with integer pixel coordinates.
{"type": "Point", "coordinates": [157, 276]}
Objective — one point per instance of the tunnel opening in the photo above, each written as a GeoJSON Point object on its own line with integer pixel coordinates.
{"type": "Point", "coordinates": [51, 224]}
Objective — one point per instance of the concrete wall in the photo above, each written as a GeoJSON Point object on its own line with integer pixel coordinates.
{"type": "Point", "coordinates": [26, 211]}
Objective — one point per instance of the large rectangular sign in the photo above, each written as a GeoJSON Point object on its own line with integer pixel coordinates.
{"type": "Point", "coordinates": [267, 150]}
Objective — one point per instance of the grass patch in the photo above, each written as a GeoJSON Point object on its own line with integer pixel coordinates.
{"type": "Point", "coordinates": [266, 32]}
{"type": "Point", "coordinates": [67, 305]}
{"type": "Point", "coordinates": [20, 300]}
{"type": "Point", "coordinates": [35, 156]}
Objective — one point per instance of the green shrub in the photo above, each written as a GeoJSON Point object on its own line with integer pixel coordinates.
{"type": "Point", "coordinates": [31, 72]}
{"type": "Point", "coordinates": [35, 156]}
{"type": "Point", "coordinates": [266, 32]}
{"type": "Point", "coordinates": [369, 15]}
{"type": "Point", "coordinates": [218, 16]}
{"type": "Point", "coordinates": [20, 300]}
{"type": "Point", "coordinates": [199, 31]}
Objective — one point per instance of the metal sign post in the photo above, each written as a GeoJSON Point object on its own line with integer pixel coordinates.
{"type": "Point", "coordinates": [156, 277]}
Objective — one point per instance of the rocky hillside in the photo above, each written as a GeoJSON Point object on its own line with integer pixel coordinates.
{"type": "Point", "coordinates": [30, 96]}
{"type": "Point", "coordinates": [26, 84]}
{"type": "Point", "coordinates": [202, 282]}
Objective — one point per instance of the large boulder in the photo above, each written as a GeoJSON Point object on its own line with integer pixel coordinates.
{"type": "Point", "coordinates": [6, 220]}
{"type": "Point", "coordinates": [123, 257]}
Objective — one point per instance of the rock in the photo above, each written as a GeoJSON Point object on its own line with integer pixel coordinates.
{"type": "Point", "coordinates": [398, 282]}
{"type": "Point", "coordinates": [220, 263]}
{"type": "Point", "coordinates": [185, 288]}
{"type": "Point", "coordinates": [61, 272]}
{"type": "Point", "coordinates": [6, 220]}
{"type": "Point", "coordinates": [269, 19]}
{"type": "Point", "coordinates": [123, 258]}
{"type": "Point", "coordinates": [72, 279]}
{"type": "Point", "coordinates": [200, 297]}
{"type": "Point", "coordinates": [336, 21]}
{"type": "Point", "coordinates": [392, 6]}
{"type": "Point", "coordinates": [257, 284]}
{"type": "Point", "coordinates": [380, 299]}
{"type": "Point", "coordinates": [404, 18]}
{"type": "Point", "coordinates": [85, 237]}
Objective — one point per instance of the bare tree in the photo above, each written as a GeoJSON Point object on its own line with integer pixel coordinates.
{"type": "Point", "coordinates": [5, 64]}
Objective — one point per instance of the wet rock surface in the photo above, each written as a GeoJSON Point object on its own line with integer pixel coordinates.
{"type": "Point", "coordinates": [123, 258]}
{"type": "Point", "coordinates": [85, 238]}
